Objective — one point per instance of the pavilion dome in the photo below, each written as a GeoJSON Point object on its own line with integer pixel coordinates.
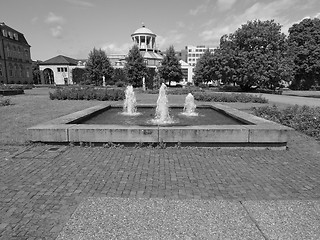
{"type": "Point", "coordinates": [143, 30]}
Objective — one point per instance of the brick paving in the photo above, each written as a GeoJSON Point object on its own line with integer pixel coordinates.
{"type": "Point", "coordinates": [42, 185]}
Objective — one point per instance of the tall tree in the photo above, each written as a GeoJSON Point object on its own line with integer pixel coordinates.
{"type": "Point", "coordinates": [255, 55]}
{"type": "Point", "coordinates": [78, 75]}
{"type": "Point", "coordinates": [170, 68]}
{"type": "Point", "coordinates": [98, 65]}
{"type": "Point", "coordinates": [204, 71]}
{"type": "Point", "coordinates": [135, 67]}
{"type": "Point", "coordinates": [304, 46]}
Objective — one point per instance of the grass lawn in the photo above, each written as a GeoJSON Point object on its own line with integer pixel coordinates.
{"type": "Point", "coordinates": [35, 107]}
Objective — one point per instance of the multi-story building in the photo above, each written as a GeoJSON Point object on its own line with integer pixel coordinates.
{"type": "Point", "coordinates": [15, 58]}
{"type": "Point", "coordinates": [191, 54]}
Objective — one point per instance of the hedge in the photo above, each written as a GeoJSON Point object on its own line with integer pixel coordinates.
{"type": "Point", "coordinates": [87, 93]}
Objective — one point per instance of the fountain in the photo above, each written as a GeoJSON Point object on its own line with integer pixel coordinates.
{"type": "Point", "coordinates": [215, 125]}
{"type": "Point", "coordinates": [162, 111]}
{"type": "Point", "coordinates": [130, 103]}
{"type": "Point", "coordinates": [189, 106]}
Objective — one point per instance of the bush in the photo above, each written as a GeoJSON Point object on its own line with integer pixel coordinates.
{"type": "Point", "coordinates": [5, 101]}
{"type": "Point", "coordinates": [87, 93]}
{"type": "Point", "coordinates": [303, 119]}
{"type": "Point", "coordinates": [178, 91]}
{"type": "Point", "coordinates": [226, 97]}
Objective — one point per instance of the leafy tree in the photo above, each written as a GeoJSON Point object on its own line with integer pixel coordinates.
{"type": "Point", "coordinates": [98, 65]}
{"type": "Point", "coordinates": [204, 71]}
{"type": "Point", "coordinates": [304, 46]}
{"type": "Point", "coordinates": [36, 73]}
{"type": "Point", "coordinates": [254, 55]}
{"type": "Point", "coordinates": [118, 76]}
{"type": "Point", "coordinates": [135, 67]}
{"type": "Point", "coordinates": [170, 68]}
{"type": "Point", "coordinates": [78, 75]}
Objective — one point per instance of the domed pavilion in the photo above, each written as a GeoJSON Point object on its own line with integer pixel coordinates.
{"type": "Point", "coordinates": [146, 41]}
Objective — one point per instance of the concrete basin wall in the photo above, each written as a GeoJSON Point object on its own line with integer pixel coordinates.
{"type": "Point", "coordinates": [258, 132]}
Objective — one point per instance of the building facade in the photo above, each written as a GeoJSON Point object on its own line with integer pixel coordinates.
{"type": "Point", "coordinates": [191, 54]}
{"type": "Point", "coordinates": [58, 70]}
{"type": "Point", "coordinates": [15, 57]}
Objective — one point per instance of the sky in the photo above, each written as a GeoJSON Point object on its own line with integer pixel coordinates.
{"type": "Point", "coordinates": [74, 27]}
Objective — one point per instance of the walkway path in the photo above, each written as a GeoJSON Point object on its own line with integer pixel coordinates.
{"type": "Point", "coordinates": [285, 99]}
{"type": "Point", "coordinates": [64, 192]}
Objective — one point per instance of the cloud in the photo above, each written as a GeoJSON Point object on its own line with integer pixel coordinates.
{"type": "Point", "coordinates": [52, 19]}
{"type": "Point", "coordinates": [199, 9]}
{"type": "Point", "coordinates": [80, 3]}
{"type": "Point", "coordinates": [224, 5]}
{"type": "Point", "coordinates": [56, 32]}
{"type": "Point", "coordinates": [173, 37]}
{"type": "Point", "coordinates": [113, 48]}
{"type": "Point", "coordinates": [260, 10]}
{"type": "Point", "coordinates": [34, 20]}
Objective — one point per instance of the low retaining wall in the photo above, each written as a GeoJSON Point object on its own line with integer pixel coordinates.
{"type": "Point", "coordinates": [260, 133]}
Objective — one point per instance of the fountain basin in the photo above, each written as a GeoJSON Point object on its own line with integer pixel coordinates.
{"type": "Point", "coordinates": [251, 131]}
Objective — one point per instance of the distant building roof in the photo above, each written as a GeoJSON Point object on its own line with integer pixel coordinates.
{"type": "Point", "coordinates": [151, 55]}
{"type": "Point", "coordinates": [143, 30]}
{"type": "Point", "coordinates": [20, 39]}
{"type": "Point", "coordinates": [60, 60]}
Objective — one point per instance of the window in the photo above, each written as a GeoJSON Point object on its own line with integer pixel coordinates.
{"type": "Point", "coordinates": [28, 74]}
{"type": "Point", "coordinates": [10, 35]}
{"type": "Point", "coordinates": [1, 71]}
{"type": "Point", "coordinates": [15, 35]}
{"type": "Point", "coordinates": [65, 69]}
{"type": "Point", "coordinates": [58, 69]}
{"type": "Point", "coordinates": [4, 33]}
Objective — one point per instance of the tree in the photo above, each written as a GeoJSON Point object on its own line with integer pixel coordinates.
{"type": "Point", "coordinates": [204, 71]}
{"type": "Point", "coordinates": [170, 68]}
{"type": "Point", "coordinates": [98, 65]}
{"type": "Point", "coordinates": [135, 67]}
{"type": "Point", "coordinates": [78, 75]}
{"type": "Point", "coordinates": [304, 47]}
{"type": "Point", "coordinates": [36, 73]}
{"type": "Point", "coordinates": [118, 76]}
{"type": "Point", "coordinates": [254, 55]}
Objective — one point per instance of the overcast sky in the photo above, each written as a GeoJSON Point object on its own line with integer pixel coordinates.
{"type": "Point", "coordinates": [74, 27]}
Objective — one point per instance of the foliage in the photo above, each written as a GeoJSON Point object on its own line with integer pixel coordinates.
{"type": "Point", "coordinates": [98, 65]}
{"type": "Point", "coordinates": [36, 73]}
{"type": "Point", "coordinates": [87, 93]}
{"type": "Point", "coordinates": [119, 75]}
{"type": "Point", "coordinates": [226, 97]}
{"type": "Point", "coordinates": [254, 55]}
{"type": "Point", "coordinates": [178, 91]}
{"type": "Point", "coordinates": [5, 101]}
{"type": "Point", "coordinates": [170, 69]}
{"type": "Point", "coordinates": [304, 46]}
{"type": "Point", "coordinates": [135, 67]}
{"type": "Point", "coordinates": [301, 118]}
{"type": "Point", "coordinates": [204, 71]}
{"type": "Point", "coordinates": [78, 75]}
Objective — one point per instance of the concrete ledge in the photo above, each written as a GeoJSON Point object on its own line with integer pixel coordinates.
{"type": "Point", "coordinates": [49, 133]}
{"type": "Point", "coordinates": [112, 133]}
{"type": "Point", "coordinates": [256, 131]}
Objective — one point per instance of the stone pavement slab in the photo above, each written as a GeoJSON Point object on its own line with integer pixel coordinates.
{"type": "Point", "coordinates": [42, 185]}
{"type": "Point", "coordinates": [286, 220]}
{"type": "Point", "coordinates": [118, 218]}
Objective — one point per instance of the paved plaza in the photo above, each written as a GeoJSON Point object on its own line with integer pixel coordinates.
{"type": "Point", "coordinates": [72, 192]}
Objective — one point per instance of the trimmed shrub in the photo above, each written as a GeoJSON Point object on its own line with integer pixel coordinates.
{"type": "Point", "coordinates": [226, 97]}
{"type": "Point", "coordinates": [87, 93]}
{"type": "Point", "coordinates": [178, 91]}
{"type": "Point", "coordinates": [301, 118]}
